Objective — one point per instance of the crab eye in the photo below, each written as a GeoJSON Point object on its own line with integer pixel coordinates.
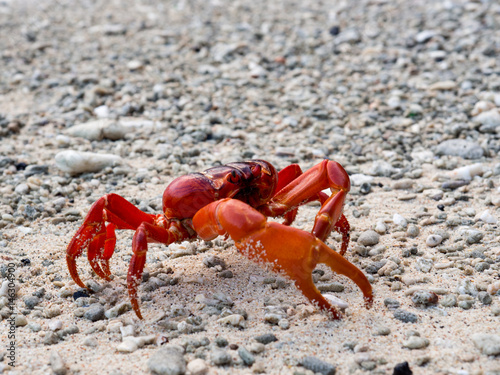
{"type": "Point", "coordinates": [233, 177]}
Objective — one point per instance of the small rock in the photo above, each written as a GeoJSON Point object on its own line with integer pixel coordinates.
{"type": "Point", "coordinates": [405, 316]}
{"type": "Point", "coordinates": [382, 331]}
{"type": "Point", "coordinates": [20, 320]}
{"type": "Point", "coordinates": [467, 287]}
{"type": "Point", "coordinates": [127, 346]}
{"type": "Point", "coordinates": [76, 162]}
{"type": "Point", "coordinates": [416, 342]}
{"type": "Point", "coordinates": [489, 344]}
{"type": "Point", "coordinates": [247, 358]}
{"type": "Point", "coordinates": [424, 298]}
{"type": "Point", "coordinates": [412, 231]}
{"type": "Point", "coordinates": [460, 147]}
{"type": "Point", "coordinates": [399, 220]}
{"type": "Point", "coordinates": [402, 369]}
{"type": "Point", "coordinates": [31, 302]}
{"type": "Point", "coordinates": [57, 363]}
{"type": "Point", "coordinates": [466, 173]}
{"type": "Point", "coordinates": [443, 85]}
{"type": "Point", "coordinates": [433, 240]}
{"type": "Point", "coordinates": [118, 310]}
{"type": "Point", "coordinates": [466, 305]}
{"type": "Point", "coordinates": [369, 238]}
{"type": "Point", "coordinates": [94, 313]}
{"type": "Point", "coordinates": [284, 324]}
{"type": "Point", "coordinates": [55, 325]}
{"type": "Point", "coordinates": [197, 367]}
{"type": "Point", "coordinates": [51, 338]}
{"type": "Point", "coordinates": [449, 300]}
{"type": "Point", "coordinates": [168, 360]}
{"type": "Point", "coordinates": [318, 366]}
{"type": "Point", "coordinates": [391, 303]}
{"type": "Point", "coordinates": [484, 298]}
{"type": "Point", "coordinates": [487, 217]}
{"type": "Point", "coordinates": [220, 357]}
{"type": "Point", "coordinates": [236, 320]}
{"type": "Point", "coordinates": [266, 338]}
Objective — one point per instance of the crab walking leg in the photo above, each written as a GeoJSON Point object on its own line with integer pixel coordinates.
{"type": "Point", "coordinates": [98, 239]}
{"type": "Point", "coordinates": [147, 232]}
{"type": "Point", "coordinates": [308, 187]}
{"type": "Point", "coordinates": [290, 250]}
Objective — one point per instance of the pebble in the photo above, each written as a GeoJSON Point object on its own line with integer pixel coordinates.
{"type": "Point", "coordinates": [55, 325]}
{"type": "Point", "coordinates": [405, 316]}
{"type": "Point", "coordinates": [460, 147]}
{"type": "Point", "coordinates": [487, 217]}
{"type": "Point", "coordinates": [413, 231]}
{"type": "Point", "coordinates": [168, 360]}
{"type": "Point", "coordinates": [416, 342]}
{"type": "Point", "coordinates": [94, 313]}
{"type": "Point", "coordinates": [118, 310]}
{"type": "Point", "coordinates": [336, 301]}
{"type": "Point", "coordinates": [443, 85]}
{"type": "Point", "coordinates": [99, 130]}
{"type": "Point", "coordinates": [197, 367]}
{"type": "Point", "coordinates": [318, 366]}
{"type": "Point", "coordinates": [247, 357]}
{"type": "Point", "coordinates": [402, 369]}
{"type": "Point", "coordinates": [449, 300]}
{"type": "Point", "coordinates": [466, 305]}
{"type": "Point", "coordinates": [433, 240]}
{"type": "Point", "coordinates": [399, 220]}
{"type": "Point", "coordinates": [20, 320]}
{"type": "Point", "coordinates": [57, 364]}
{"type": "Point", "coordinates": [76, 162]}
{"type": "Point", "coordinates": [51, 338]}
{"type": "Point", "coordinates": [494, 288]}
{"type": "Point", "coordinates": [382, 331]}
{"type": "Point", "coordinates": [424, 298]}
{"type": "Point", "coordinates": [424, 265]}
{"type": "Point", "coordinates": [266, 338]}
{"type": "Point", "coordinates": [235, 320]}
{"type": "Point", "coordinates": [391, 303]}
{"type": "Point", "coordinates": [484, 298]}
{"type": "Point", "coordinates": [467, 172]}
{"type": "Point", "coordinates": [369, 238]}
{"type": "Point", "coordinates": [467, 287]}
{"type": "Point", "coordinates": [31, 302]}
{"type": "Point", "coordinates": [331, 287]}
{"type": "Point", "coordinates": [489, 344]}
{"type": "Point", "coordinates": [220, 357]}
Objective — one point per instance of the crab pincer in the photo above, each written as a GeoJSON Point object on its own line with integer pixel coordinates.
{"type": "Point", "coordinates": [287, 249]}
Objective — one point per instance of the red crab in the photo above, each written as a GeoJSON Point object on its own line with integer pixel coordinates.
{"type": "Point", "coordinates": [233, 199]}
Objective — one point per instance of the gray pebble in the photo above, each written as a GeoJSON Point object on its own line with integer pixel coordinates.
{"type": "Point", "coordinates": [318, 366]}
{"type": "Point", "coordinates": [266, 338]}
{"type": "Point", "coordinates": [57, 364]}
{"type": "Point", "coordinates": [247, 357]}
{"type": "Point", "coordinates": [221, 342]}
{"type": "Point", "coordinates": [467, 287]}
{"type": "Point", "coordinates": [482, 266]}
{"type": "Point", "coordinates": [474, 236]}
{"type": "Point", "coordinates": [369, 238]}
{"type": "Point", "coordinates": [51, 338]}
{"type": "Point", "coordinates": [489, 344]}
{"type": "Point", "coordinates": [405, 316]}
{"type": "Point", "coordinates": [220, 357]}
{"type": "Point", "coordinates": [460, 147]}
{"type": "Point", "coordinates": [449, 300]}
{"type": "Point", "coordinates": [94, 313]}
{"type": "Point", "coordinates": [213, 261]}
{"type": "Point", "coordinates": [168, 360]}
{"type": "Point", "coordinates": [466, 305]}
{"type": "Point", "coordinates": [412, 231]}
{"type": "Point", "coordinates": [31, 302]}
{"type": "Point", "coordinates": [331, 287]}
{"type": "Point", "coordinates": [391, 303]}
{"type": "Point", "coordinates": [424, 298]}
{"type": "Point", "coordinates": [484, 298]}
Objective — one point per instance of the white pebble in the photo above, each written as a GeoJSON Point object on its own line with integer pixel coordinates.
{"type": "Point", "coordinates": [433, 240]}
{"type": "Point", "coordinates": [399, 220]}
{"type": "Point", "coordinates": [197, 367]}
{"type": "Point", "coordinates": [335, 301]}
{"type": "Point", "coordinates": [75, 162]}
{"type": "Point", "coordinates": [380, 227]}
{"type": "Point", "coordinates": [467, 173]}
{"type": "Point", "coordinates": [127, 330]}
{"type": "Point", "coordinates": [358, 179]}
{"type": "Point", "coordinates": [102, 111]}
{"type": "Point", "coordinates": [493, 288]}
{"type": "Point", "coordinates": [487, 217]}
{"type": "Point", "coordinates": [127, 346]}
{"type": "Point", "coordinates": [55, 325]}
{"type": "Point", "coordinates": [236, 320]}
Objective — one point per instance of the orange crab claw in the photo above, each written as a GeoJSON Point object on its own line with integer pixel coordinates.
{"type": "Point", "coordinates": [289, 250]}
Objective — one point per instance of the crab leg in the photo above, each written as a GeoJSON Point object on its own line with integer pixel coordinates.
{"type": "Point", "coordinates": [288, 249]}
{"type": "Point", "coordinates": [307, 187]}
{"type": "Point", "coordinates": [99, 239]}
{"type": "Point", "coordinates": [147, 232]}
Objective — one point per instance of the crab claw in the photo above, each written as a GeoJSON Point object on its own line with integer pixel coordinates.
{"type": "Point", "coordinates": [289, 250]}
